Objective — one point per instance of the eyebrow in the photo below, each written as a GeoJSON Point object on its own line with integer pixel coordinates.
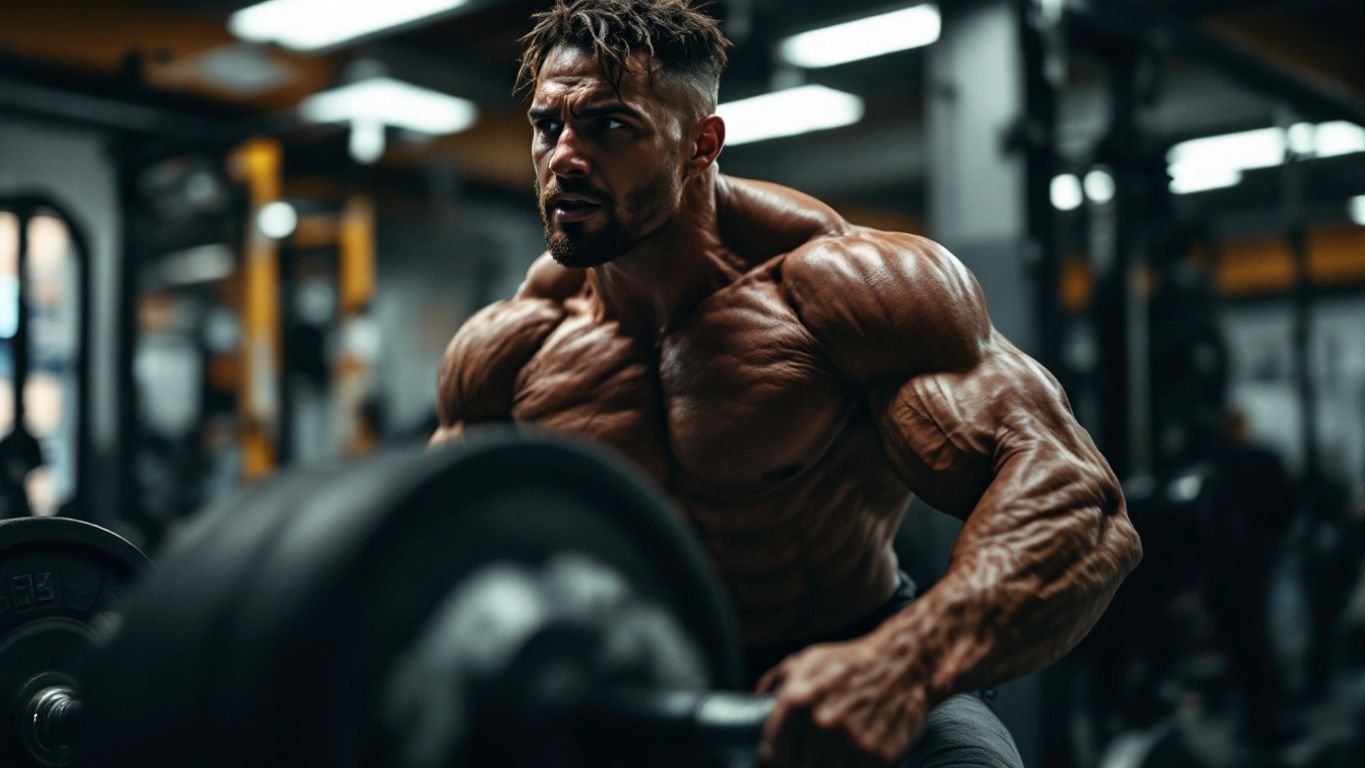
{"type": "Point", "coordinates": [591, 111]}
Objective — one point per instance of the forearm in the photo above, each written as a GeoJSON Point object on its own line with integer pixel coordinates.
{"type": "Point", "coordinates": [1029, 577]}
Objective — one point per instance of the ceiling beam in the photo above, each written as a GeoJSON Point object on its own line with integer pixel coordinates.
{"type": "Point", "coordinates": [119, 104]}
{"type": "Point", "coordinates": [1315, 97]}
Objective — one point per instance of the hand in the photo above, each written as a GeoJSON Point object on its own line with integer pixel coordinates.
{"type": "Point", "coordinates": [841, 704]}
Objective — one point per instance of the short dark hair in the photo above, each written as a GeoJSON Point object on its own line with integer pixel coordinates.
{"type": "Point", "coordinates": [683, 39]}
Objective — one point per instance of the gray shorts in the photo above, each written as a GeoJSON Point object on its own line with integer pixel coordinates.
{"type": "Point", "coordinates": [964, 731]}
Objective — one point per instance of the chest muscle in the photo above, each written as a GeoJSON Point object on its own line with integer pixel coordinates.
{"type": "Point", "coordinates": [750, 403]}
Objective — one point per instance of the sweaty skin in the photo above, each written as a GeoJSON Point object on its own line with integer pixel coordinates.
{"type": "Point", "coordinates": [790, 379]}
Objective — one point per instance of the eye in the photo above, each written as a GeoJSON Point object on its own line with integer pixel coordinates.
{"type": "Point", "coordinates": [547, 128]}
{"type": "Point", "coordinates": [606, 126]}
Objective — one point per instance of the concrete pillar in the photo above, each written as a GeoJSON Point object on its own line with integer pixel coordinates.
{"type": "Point", "coordinates": [975, 184]}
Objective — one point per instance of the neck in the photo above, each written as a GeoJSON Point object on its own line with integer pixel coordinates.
{"type": "Point", "coordinates": [653, 285]}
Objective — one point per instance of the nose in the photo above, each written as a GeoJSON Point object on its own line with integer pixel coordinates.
{"type": "Point", "coordinates": [567, 158]}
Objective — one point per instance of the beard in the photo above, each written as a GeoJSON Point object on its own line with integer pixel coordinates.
{"type": "Point", "coordinates": [572, 245]}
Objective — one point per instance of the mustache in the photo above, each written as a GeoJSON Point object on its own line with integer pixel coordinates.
{"type": "Point", "coordinates": [573, 187]}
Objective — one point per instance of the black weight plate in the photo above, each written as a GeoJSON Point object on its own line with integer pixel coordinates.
{"type": "Point", "coordinates": [62, 583]}
{"type": "Point", "coordinates": [364, 561]}
{"type": "Point", "coordinates": [150, 693]}
{"type": "Point", "coordinates": [430, 519]}
{"type": "Point", "coordinates": [55, 566]}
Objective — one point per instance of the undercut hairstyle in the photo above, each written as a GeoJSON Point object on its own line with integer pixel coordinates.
{"type": "Point", "coordinates": [687, 43]}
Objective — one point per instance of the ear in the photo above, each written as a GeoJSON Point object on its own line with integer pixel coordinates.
{"type": "Point", "coordinates": [709, 133]}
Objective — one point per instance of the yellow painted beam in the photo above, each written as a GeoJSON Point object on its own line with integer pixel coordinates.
{"type": "Point", "coordinates": [356, 241]}
{"type": "Point", "coordinates": [354, 372]}
{"type": "Point", "coordinates": [257, 165]}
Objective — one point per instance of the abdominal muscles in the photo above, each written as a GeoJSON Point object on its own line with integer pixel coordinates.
{"type": "Point", "coordinates": [812, 554]}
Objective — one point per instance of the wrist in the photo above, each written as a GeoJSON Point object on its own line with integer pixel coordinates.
{"type": "Point", "coordinates": [908, 661]}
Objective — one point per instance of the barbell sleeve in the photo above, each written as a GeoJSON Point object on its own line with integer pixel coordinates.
{"type": "Point", "coordinates": [54, 715]}
{"type": "Point", "coordinates": [725, 725]}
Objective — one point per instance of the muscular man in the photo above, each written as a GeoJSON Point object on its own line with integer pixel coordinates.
{"type": "Point", "coordinates": [790, 379]}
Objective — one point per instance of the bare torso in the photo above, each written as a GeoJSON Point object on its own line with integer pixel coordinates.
{"type": "Point", "coordinates": [738, 414]}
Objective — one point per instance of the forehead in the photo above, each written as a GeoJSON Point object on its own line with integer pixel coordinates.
{"type": "Point", "coordinates": [575, 73]}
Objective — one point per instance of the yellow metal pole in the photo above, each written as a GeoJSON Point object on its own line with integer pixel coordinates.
{"type": "Point", "coordinates": [257, 164]}
{"type": "Point", "coordinates": [355, 289]}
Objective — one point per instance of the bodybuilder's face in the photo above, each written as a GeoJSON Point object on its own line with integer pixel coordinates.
{"type": "Point", "coordinates": [608, 168]}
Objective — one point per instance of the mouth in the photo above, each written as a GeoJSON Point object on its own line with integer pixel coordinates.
{"type": "Point", "coordinates": [570, 208]}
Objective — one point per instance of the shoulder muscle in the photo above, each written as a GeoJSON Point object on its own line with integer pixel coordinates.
{"type": "Point", "coordinates": [887, 304]}
{"type": "Point", "coordinates": [761, 219]}
{"type": "Point", "coordinates": [478, 372]}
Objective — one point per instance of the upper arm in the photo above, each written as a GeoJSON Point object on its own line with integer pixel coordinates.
{"type": "Point", "coordinates": [1000, 431]}
{"type": "Point", "coordinates": [477, 375]}
{"type": "Point", "coordinates": [959, 409]}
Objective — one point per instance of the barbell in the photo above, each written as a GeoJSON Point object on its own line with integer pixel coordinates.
{"type": "Point", "coordinates": [507, 600]}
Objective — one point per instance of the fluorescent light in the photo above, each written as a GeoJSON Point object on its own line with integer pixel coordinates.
{"type": "Point", "coordinates": [391, 102]}
{"type": "Point", "coordinates": [1066, 192]}
{"type": "Point", "coordinates": [310, 25]}
{"type": "Point", "coordinates": [1201, 178]}
{"type": "Point", "coordinates": [1357, 208]}
{"type": "Point", "coordinates": [864, 38]}
{"type": "Point", "coordinates": [277, 220]}
{"type": "Point", "coordinates": [1218, 161]}
{"type": "Point", "coordinates": [1302, 138]}
{"type": "Point", "coordinates": [788, 113]}
{"type": "Point", "coordinates": [1339, 138]}
{"type": "Point", "coordinates": [1099, 186]}
{"type": "Point", "coordinates": [1261, 148]}
{"type": "Point", "coordinates": [367, 141]}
